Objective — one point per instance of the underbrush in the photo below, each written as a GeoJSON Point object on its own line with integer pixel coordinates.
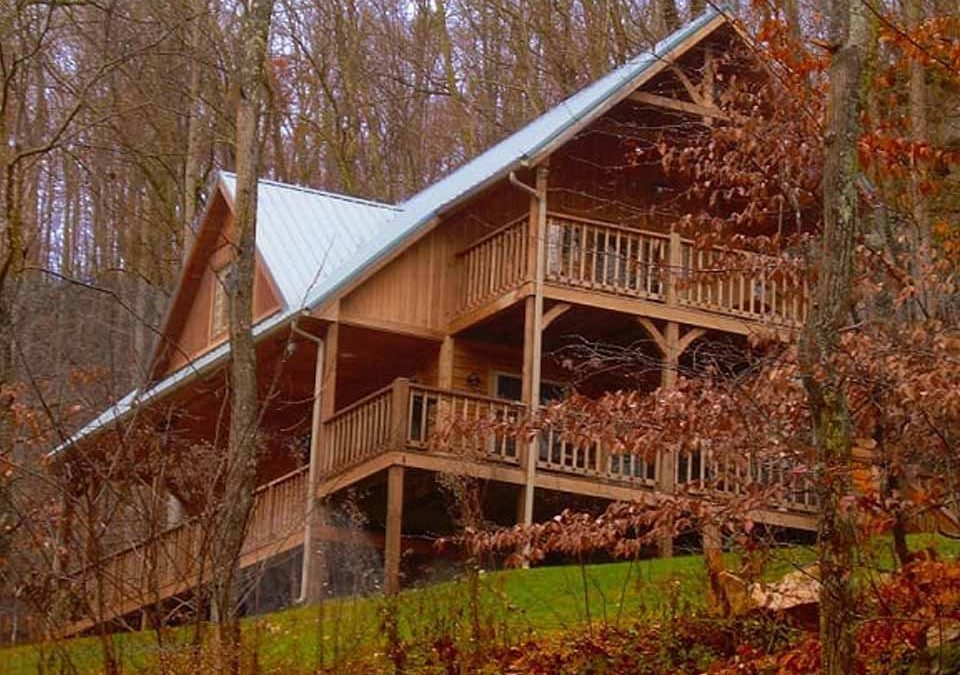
{"type": "Point", "coordinates": [648, 616]}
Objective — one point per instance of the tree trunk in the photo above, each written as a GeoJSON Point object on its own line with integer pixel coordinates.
{"type": "Point", "coordinates": [191, 166]}
{"type": "Point", "coordinates": [667, 19]}
{"type": "Point", "coordinates": [919, 133]}
{"type": "Point", "coordinates": [832, 433]}
{"type": "Point", "coordinates": [243, 448]}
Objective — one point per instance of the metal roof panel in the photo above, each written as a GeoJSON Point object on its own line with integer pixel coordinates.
{"type": "Point", "coordinates": [303, 235]}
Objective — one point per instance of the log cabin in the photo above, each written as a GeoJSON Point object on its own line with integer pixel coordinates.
{"type": "Point", "coordinates": [375, 320]}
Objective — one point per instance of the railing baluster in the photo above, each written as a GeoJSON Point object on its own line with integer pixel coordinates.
{"type": "Point", "coordinates": [591, 254]}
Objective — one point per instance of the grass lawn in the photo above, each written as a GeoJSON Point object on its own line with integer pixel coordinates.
{"type": "Point", "coordinates": [516, 602]}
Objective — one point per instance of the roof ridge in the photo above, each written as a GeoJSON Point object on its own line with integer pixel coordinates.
{"type": "Point", "coordinates": [322, 193]}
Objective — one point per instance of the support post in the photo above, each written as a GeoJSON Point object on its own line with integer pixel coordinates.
{"type": "Point", "coordinates": [671, 346]}
{"type": "Point", "coordinates": [314, 575]}
{"type": "Point", "coordinates": [400, 413]}
{"type": "Point", "coordinates": [394, 531]}
{"type": "Point", "coordinates": [675, 271]}
{"type": "Point", "coordinates": [671, 359]}
{"type": "Point", "coordinates": [533, 335]}
{"type": "Point", "coordinates": [445, 363]}
{"type": "Point", "coordinates": [667, 480]}
{"type": "Point", "coordinates": [328, 404]}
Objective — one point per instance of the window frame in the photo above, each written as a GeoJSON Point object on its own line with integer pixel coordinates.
{"type": "Point", "coordinates": [219, 293]}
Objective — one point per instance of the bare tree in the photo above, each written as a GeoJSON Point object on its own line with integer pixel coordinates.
{"type": "Point", "coordinates": [243, 444]}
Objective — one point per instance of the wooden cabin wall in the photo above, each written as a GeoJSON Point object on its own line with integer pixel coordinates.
{"type": "Point", "coordinates": [428, 372]}
{"type": "Point", "coordinates": [486, 360]}
{"type": "Point", "coordinates": [195, 336]}
{"type": "Point", "coordinates": [611, 170]}
{"type": "Point", "coordinates": [409, 291]}
{"type": "Point", "coordinates": [608, 173]}
{"type": "Point", "coordinates": [487, 212]}
{"type": "Point", "coordinates": [592, 177]}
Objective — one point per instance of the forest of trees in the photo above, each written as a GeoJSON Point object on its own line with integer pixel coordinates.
{"type": "Point", "coordinates": [115, 115]}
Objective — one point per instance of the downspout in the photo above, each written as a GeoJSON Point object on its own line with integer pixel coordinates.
{"type": "Point", "coordinates": [537, 337]}
{"type": "Point", "coordinates": [310, 507]}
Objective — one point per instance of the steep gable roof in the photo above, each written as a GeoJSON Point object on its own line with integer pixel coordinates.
{"type": "Point", "coordinates": [303, 235]}
{"type": "Point", "coordinates": [317, 244]}
{"type": "Point", "coordinates": [522, 148]}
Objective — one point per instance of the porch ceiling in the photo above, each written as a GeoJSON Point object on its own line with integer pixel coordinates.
{"type": "Point", "coordinates": [370, 359]}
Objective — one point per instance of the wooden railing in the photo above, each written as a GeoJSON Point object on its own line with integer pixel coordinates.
{"type": "Point", "coordinates": [734, 477]}
{"type": "Point", "coordinates": [606, 257]}
{"type": "Point", "coordinates": [415, 417]}
{"type": "Point", "coordinates": [739, 284]}
{"type": "Point", "coordinates": [359, 431]}
{"type": "Point", "coordinates": [178, 558]}
{"type": "Point", "coordinates": [493, 265]}
{"type": "Point", "coordinates": [556, 454]}
{"type": "Point", "coordinates": [654, 266]}
{"type": "Point", "coordinates": [463, 423]}
{"type": "Point", "coordinates": [278, 510]}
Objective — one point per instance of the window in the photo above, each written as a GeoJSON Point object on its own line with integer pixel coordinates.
{"type": "Point", "coordinates": [220, 313]}
{"type": "Point", "coordinates": [510, 387]}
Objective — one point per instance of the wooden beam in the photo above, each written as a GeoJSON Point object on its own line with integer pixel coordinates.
{"type": "Point", "coordinates": [461, 466]}
{"type": "Point", "coordinates": [400, 412]}
{"type": "Point", "coordinates": [654, 333]}
{"type": "Point", "coordinates": [668, 375]}
{"type": "Point", "coordinates": [533, 335]}
{"type": "Point", "coordinates": [331, 344]}
{"type": "Point", "coordinates": [356, 473]}
{"type": "Point", "coordinates": [690, 88]}
{"type": "Point", "coordinates": [659, 310]}
{"type": "Point", "coordinates": [484, 312]}
{"type": "Point", "coordinates": [688, 338]}
{"type": "Point", "coordinates": [393, 327]}
{"type": "Point", "coordinates": [445, 363]}
{"type": "Point", "coordinates": [553, 314]}
{"type": "Point", "coordinates": [392, 550]}
{"type": "Point", "coordinates": [687, 107]}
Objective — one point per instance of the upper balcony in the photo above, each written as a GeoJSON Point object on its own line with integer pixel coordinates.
{"type": "Point", "coordinates": [712, 287]}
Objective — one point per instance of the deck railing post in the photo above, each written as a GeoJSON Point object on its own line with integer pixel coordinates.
{"type": "Point", "coordinates": [675, 266]}
{"type": "Point", "coordinates": [400, 413]}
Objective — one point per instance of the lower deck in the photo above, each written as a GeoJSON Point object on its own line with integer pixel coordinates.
{"type": "Point", "coordinates": [399, 430]}
{"type": "Point", "coordinates": [408, 424]}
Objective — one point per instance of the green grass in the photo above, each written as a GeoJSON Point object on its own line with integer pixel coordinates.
{"type": "Point", "coordinates": [518, 603]}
